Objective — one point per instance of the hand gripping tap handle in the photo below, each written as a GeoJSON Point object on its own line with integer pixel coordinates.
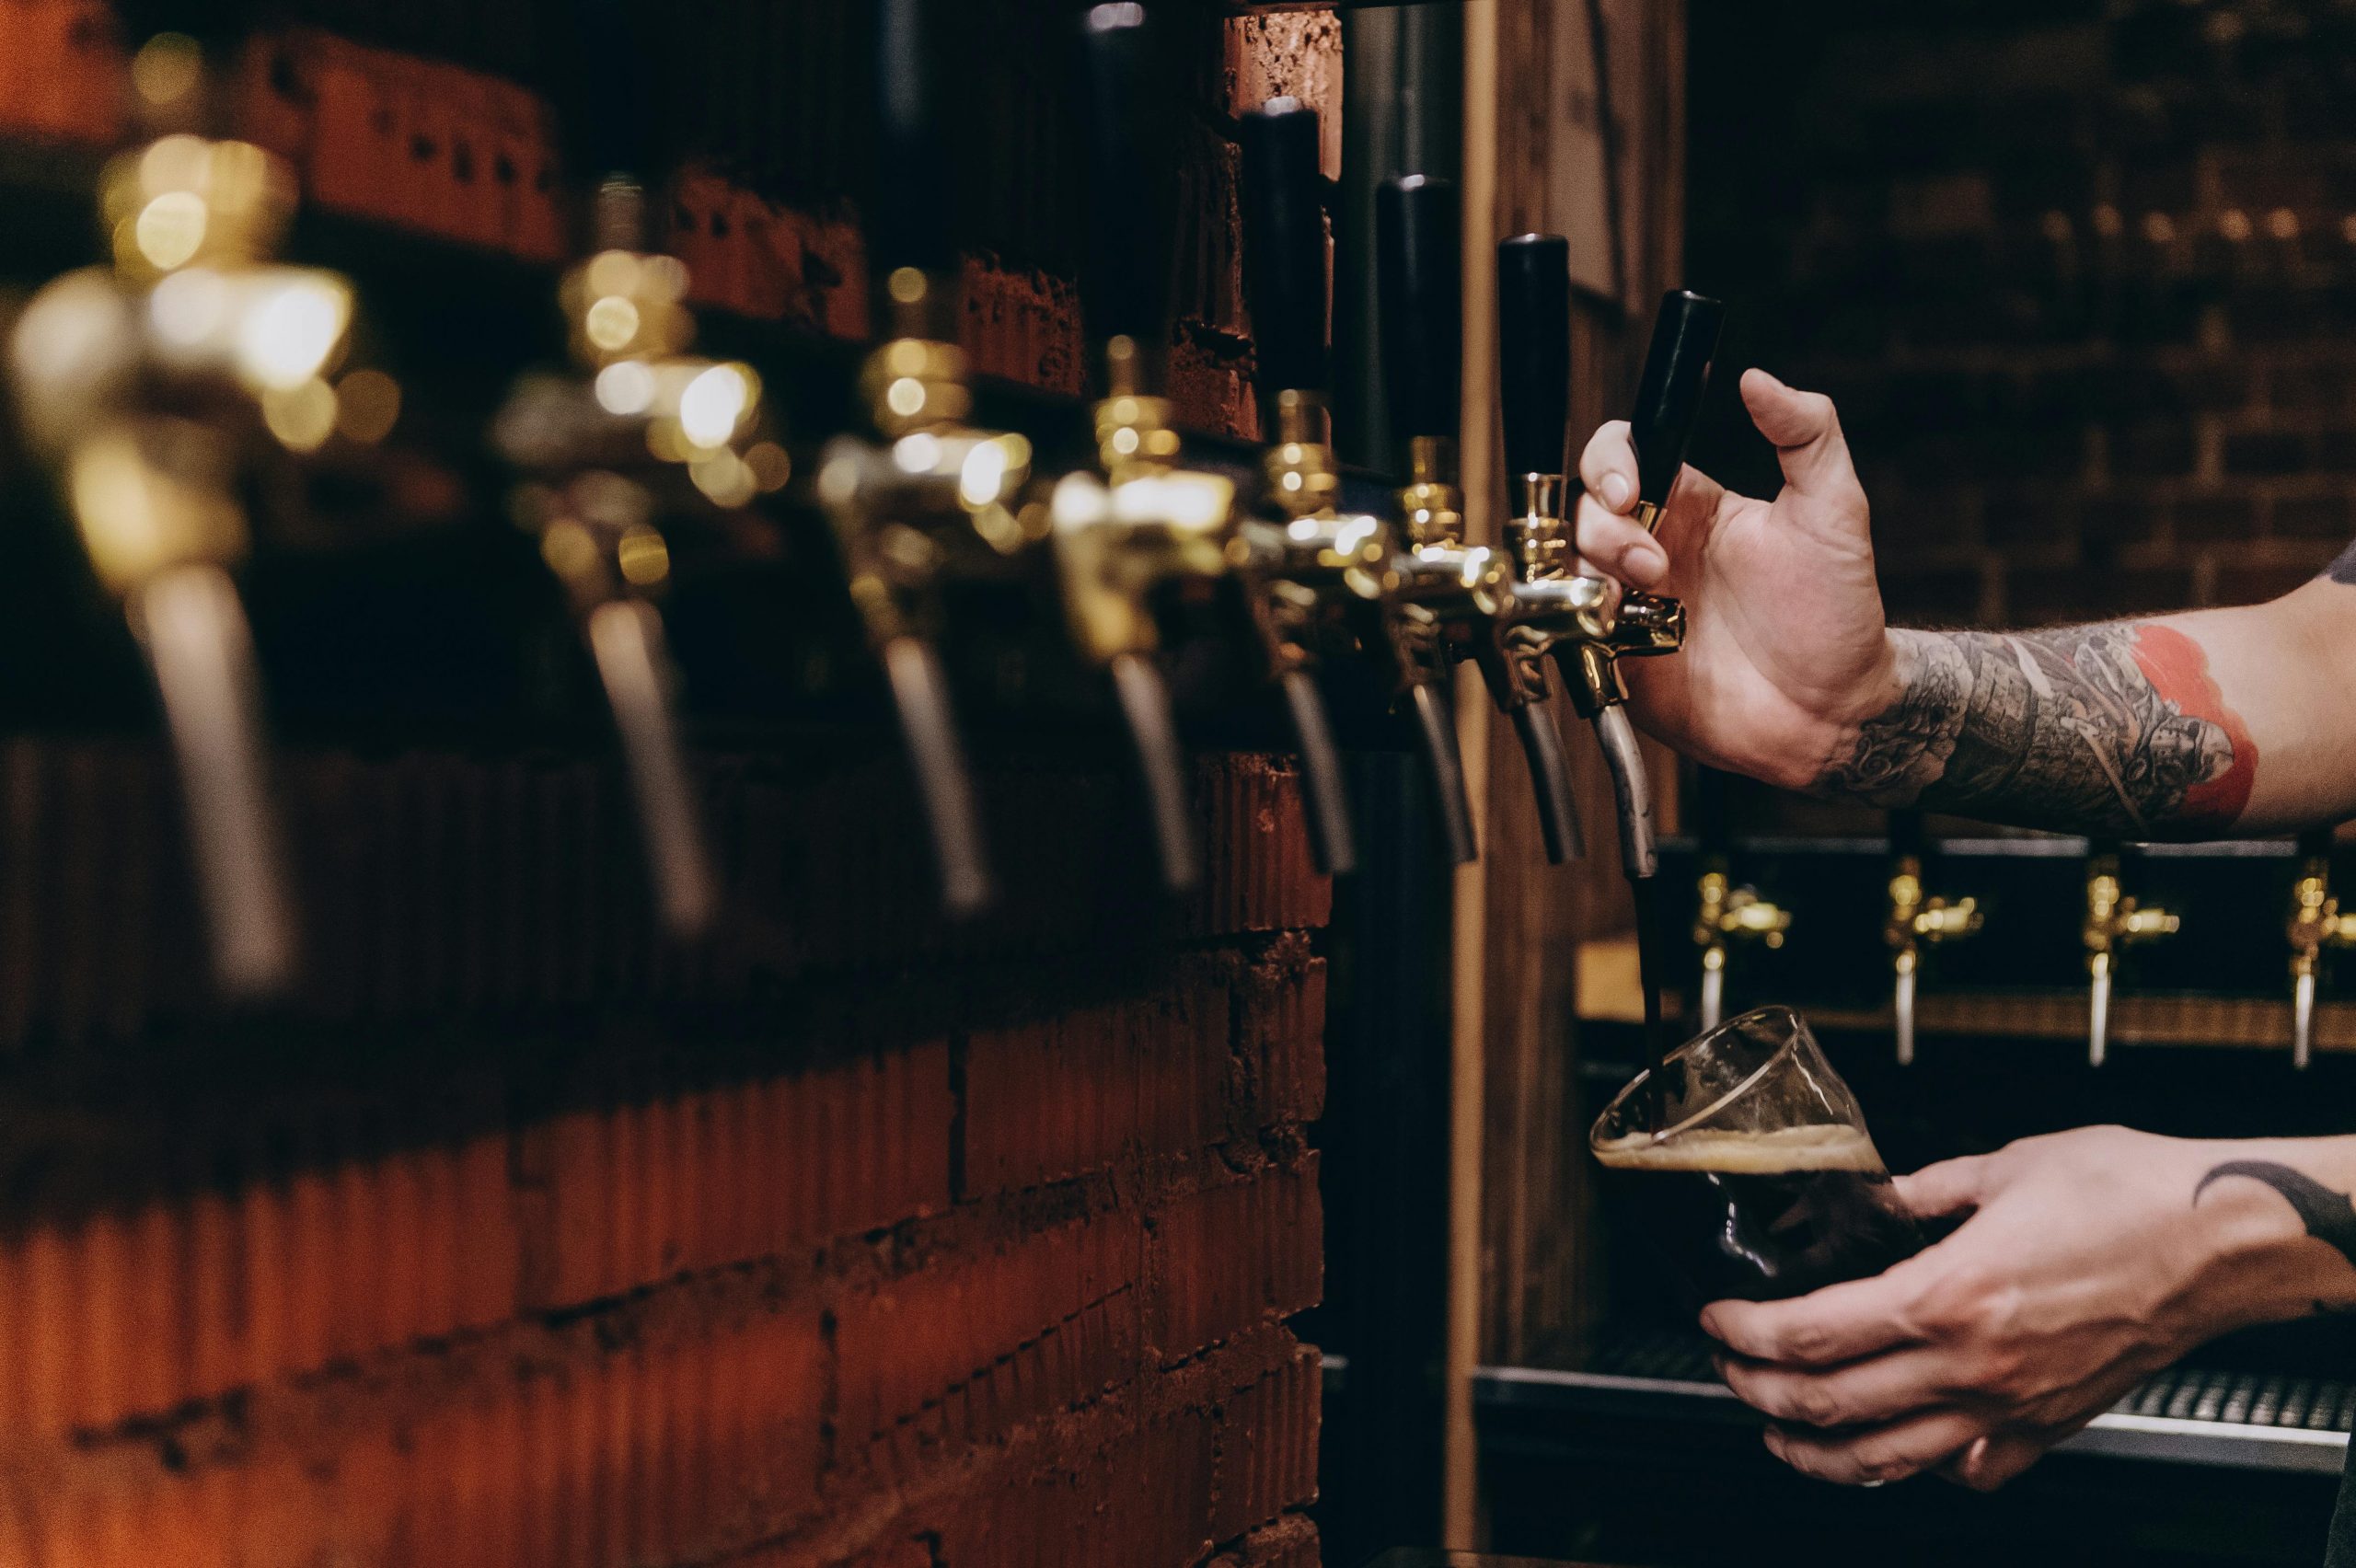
{"type": "Point", "coordinates": [1419, 275]}
{"type": "Point", "coordinates": [1669, 396]}
{"type": "Point", "coordinates": [1284, 279]}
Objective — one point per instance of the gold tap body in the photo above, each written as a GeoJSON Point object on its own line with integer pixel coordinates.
{"type": "Point", "coordinates": [2317, 925]}
{"type": "Point", "coordinates": [2113, 922]}
{"type": "Point", "coordinates": [1728, 914]}
{"type": "Point", "coordinates": [644, 437]}
{"type": "Point", "coordinates": [1916, 922]}
{"type": "Point", "coordinates": [163, 388]}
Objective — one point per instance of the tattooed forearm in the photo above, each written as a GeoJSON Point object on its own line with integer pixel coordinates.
{"type": "Point", "coordinates": [2328, 1216]}
{"type": "Point", "coordinates": [2114, 730]}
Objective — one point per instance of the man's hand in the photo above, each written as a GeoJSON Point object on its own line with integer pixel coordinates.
{"type": "Point", "coordinates": [2090, 1259]}
{"type": "Point", "coordinates": [1786, 652]}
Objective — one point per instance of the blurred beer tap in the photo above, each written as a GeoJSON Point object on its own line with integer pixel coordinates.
{"type": "Point", "coordinates": [2113, 923]}
{"type": "Point", "coordinates": [2316, 924]}
{"type": "Point", "coordinates": [1311, 564]}
{"type": "Point", "coordinates": [924, 495]}
{"type": "Point", "coordinates": [165, 388]}
{"type": "Point", "coordinates": [1122, 534]}
{"type": "Point", "coordinates": [1726, 913]}
{"type": "Point", "coordinates": [1471, 591]}
{"type": "Point", "coordinates": [642, 440]}
{"type": "Point", "coordinates": [1917, 920]}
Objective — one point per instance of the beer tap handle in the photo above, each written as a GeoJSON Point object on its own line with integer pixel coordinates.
{"type": "Point", "coordinates": [2314, 910]}
{"type": "Point", "coordinates": [1331, 844]}
{"type": "Point", "coordinates": [1534, 359]}
{"type": "Point", "coordinates": [1420, 277]}
{"type": "Point", "coordinates": [1284, 276]}
{"type": "Point", "coordinates": [1130, 258]}
{"type": "Point", "coordinates": [1549, 778]}
{"type": "Point", "coordinates": [908, 221]}
{"type": "Point", "coordinates": [1668, 395]}
{"type": "Point", "coordinates": [1284, 254]}
{"type": "Point", "coordinates": [198, 643]}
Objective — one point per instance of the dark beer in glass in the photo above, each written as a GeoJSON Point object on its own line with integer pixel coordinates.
{"type": "Point", "coordinates": [1750, 1168]}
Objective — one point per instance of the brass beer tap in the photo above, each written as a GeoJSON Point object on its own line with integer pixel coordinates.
{"type": "Point", "coordinates": [2317, 925]}
{"type": "Point", "coordinates": [1470, 591]}
{"type": "Point", "coordinates": [642, 440]}
{"type": "Point", "coordinates": [1916, 921]}
{"type": "Point", "coordinates": [2113, 923]}
{"type": "Point", "coordinates": [924, 495]}
{"type": "Point", "coordinates": [161, 387]}
{"type": "Point", "coordinates": [1322, 569]}
{"type": "Point", "coordinates": [1728, 914]}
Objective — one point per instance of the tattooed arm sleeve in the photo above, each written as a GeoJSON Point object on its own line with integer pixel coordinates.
{"type": "Point", "coordinates": [2115, 730]}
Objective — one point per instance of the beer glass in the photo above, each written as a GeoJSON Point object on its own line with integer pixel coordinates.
{"type": "Point", "coordinates": [1751, 1166]}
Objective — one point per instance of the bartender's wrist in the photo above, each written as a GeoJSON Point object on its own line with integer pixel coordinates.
{"type": "Point", "coordinates": [2273, 1223]}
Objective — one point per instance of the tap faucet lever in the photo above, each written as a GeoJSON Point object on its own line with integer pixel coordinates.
{"type": "Point", "coordinates": [2113, 923]}
{"type": "Point", "coordinates": [2317, 925]}
{"type": "Point", "coordinates": [1916, 921]}
{"type": "Point", "coordinates": [1668, 395]}
{"type": "Point", "coordinates": [1728, 914]}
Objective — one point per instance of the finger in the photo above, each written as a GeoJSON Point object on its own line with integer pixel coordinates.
{"type": "Point", "coordinates": [1949, 1187]}
{"type": "Point", "coordinates": [1990, 1461]}
{"type": "Point", "coordinates": [1608, 466]}
{"type": "Point", "coordinates": [1807, 436]}
{"type": "Point", "coordinates": [1839, 1322]}
{"type": "Point", "coordinates": [1877, 1454]}
{"type": "Point", "coordinates": [1618, 545]}
{"type": "Point", "coordinates": [1879, 1388]}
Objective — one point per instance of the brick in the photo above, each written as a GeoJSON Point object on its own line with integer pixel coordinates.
{"type": "Point", "coordinates": [1296, 54]}
{"type": "Point", "coordinates": [1267, 1447]}
{"type": "Point", "coordinates": [2266, 452]}
{"type": "Point", "coordinates": [2325, 516]}
{"type": "Point", "coordinates": [971, 1341]}
{"type": "Point", "coordinates": [1281, 1035]}
{"type": "Point", "coordinates": [1057, 1097]}
{"type": "Point", "coordinates": [1261, 879]}
{"type": "Point", "coordinates": [2232, 515]}
{"type": "Point", "coordinates": [1235, 1255]}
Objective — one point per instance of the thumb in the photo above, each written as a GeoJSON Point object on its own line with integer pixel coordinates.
{"type": "Point", "coordinates": [1949, 1187]}
{"type": "Point", "coordinates": [1806, 432]}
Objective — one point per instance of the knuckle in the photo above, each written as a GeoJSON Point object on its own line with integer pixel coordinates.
{"type": "Point", "coordinates": [1812, 1402]}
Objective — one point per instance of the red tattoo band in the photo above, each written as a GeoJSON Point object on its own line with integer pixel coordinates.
{"type": "Point", "coordinates": [2179, 670]}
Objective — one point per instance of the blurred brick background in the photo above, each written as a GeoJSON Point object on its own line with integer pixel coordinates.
{"type": "Point", "coordinates": [2080, 275]}
{"type": "Point", "coordinates": [520, 1239]}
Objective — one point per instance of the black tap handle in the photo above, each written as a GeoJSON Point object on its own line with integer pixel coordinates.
{"type": "Point", "coordinates": [1712, 819]}
{"type": "Point", "coordinates": [1550, 780]}
{"type": "Point", "coordinates": [1284, 248]}
{"type": "Point", "coordinates": [1534, 351]}
{"type": "Point", "coordinates": [1669, 396]}
{"type": "Point", "coordinates": [1130, 159]}
{"type": "Point", "coordinates": [1420, 275]}
{"type": "Point", "coordinates": [604, 92]}
{"type": "Point", "coordinates": [908, 218]}
{"type": "Point", "coordinates": [1909, 834]}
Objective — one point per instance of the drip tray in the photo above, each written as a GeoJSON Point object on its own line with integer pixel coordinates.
{"type": "Point", "coordinates": [2184, 1415]}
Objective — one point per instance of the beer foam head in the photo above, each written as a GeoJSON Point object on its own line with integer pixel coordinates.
{"type": "Point", "coordinates": [1782, 1151]}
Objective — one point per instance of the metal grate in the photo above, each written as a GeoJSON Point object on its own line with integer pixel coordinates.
{"type": "Point", "coordinates": [2180, 1393]}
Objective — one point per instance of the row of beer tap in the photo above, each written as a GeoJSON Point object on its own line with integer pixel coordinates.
{"type": "Point", "coordinates": [171, 386]}
{"type": "Point", "coordinates": [1729, 914]}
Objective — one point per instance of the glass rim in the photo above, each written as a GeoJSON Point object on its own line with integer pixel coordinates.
{"type": "Point", "coordinates": [1791, 1043]}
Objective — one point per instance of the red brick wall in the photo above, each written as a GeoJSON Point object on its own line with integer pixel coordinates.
{"type": "Point", "coordinates": [2079, 275]}
{"type": "Point", "coordinates": [521, 1239]}
{"type": "Point", "coordinates": [862, 1240]}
